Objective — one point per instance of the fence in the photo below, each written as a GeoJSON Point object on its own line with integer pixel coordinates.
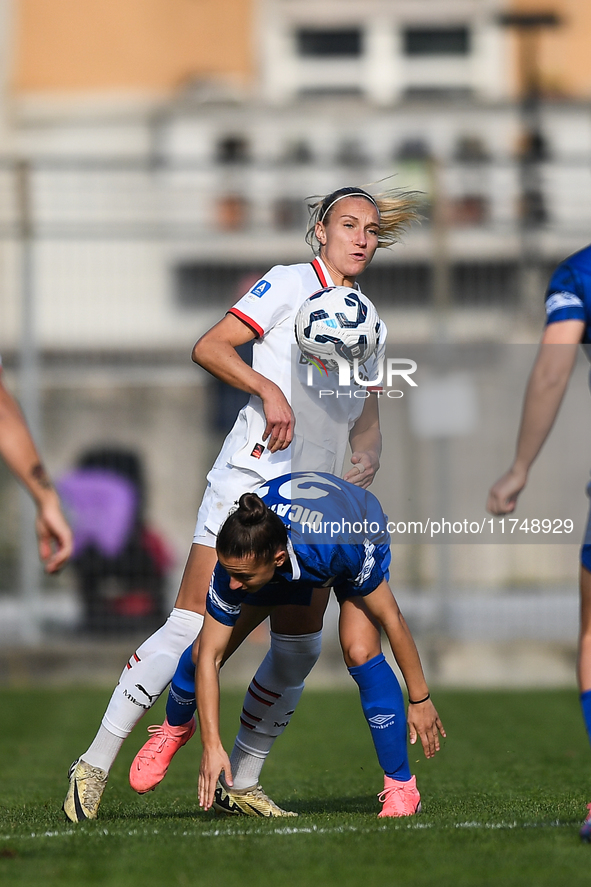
{"type": "Point", "coordinates": [111, 270]}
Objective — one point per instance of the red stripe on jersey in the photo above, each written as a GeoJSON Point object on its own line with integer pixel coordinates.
{"type": "Point", "coordinates": [257, 330]}
{"type": "Point", "coordinates": [264, 689]}
{"type": "Point", "coordinates": [247, 714]}
{"type": "Point", "coordinates": [375, 388]}
{"type": "Point", "coordinates": [246, 724]}
{"type": "Point", "coordinates": [319, 272]}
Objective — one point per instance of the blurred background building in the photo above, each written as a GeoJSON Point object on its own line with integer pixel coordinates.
{"type": "Point", "coordinates": [155, 157]}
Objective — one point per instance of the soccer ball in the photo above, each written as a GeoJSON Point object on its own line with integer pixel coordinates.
{"type": "Point", "coordinates": [337, 322]}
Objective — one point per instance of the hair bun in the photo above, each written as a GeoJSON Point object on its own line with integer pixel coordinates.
{"type": "Point", "coordinates": [251, 509]}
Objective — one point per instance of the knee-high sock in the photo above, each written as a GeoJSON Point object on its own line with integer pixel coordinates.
{"type": "Point", "coordinates": [271, 700]}
{"type": "Point", "coordinates": [181, 703]}
{"type": "Point", "coordinates": [383, 707]}
{"type": "Point", "coordinates": [143, 679]}
{"type": "Point", "coordinates": [586, 709]}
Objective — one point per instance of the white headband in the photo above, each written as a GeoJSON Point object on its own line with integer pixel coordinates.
{"type": "Point", "coordinates": [352, 194]}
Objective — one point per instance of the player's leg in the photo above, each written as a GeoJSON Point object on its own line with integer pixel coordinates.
{"type": "Point", "coordinates": [150, 765]}
{"type": "Point", "coordinates": [269, 704]}
{"type": "Point", "coordinates": [270, 701]}
{"type": "Point", "coordinates": [584, 659]}
{"type": "Point", "coordinates": [383, 706]}
{"type": "Point", "coordinates": [275, 690]}
{"type": "Point", "coordinates": [145, 676]}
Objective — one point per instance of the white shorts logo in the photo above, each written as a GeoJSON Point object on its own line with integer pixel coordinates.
{"type": "Point", "coordinates": [368, 563]}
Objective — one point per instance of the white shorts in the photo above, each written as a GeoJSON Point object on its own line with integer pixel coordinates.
{"type": "Point", "coordinates": [224, 488]}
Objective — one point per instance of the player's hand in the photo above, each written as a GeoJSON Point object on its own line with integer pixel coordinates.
{"type": "Point", "coordinates": [280, 419]}
{"type": "Point", "coordinates": [213, 762]}
{"type": "Point", "coordinates": [54, 537]}
{"type": "Point", "coordinates": [365, 466]}
{"type": "Point", "coordinates": [502, 496]}
{"type": "Point", "coordinates": [424, 723]}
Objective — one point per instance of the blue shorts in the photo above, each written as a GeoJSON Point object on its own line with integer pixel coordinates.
{"type": "Point", "coordinates": [375, 569]}
{"type": "Point", "coordinates": [276, 594]}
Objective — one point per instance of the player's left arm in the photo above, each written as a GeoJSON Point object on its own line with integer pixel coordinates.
{"type": "Point", "coordinates": [365, 439]}
{"type": "Point", "coordinates": [423, 720]}
{"type": "Point", "coordinates": [213, 641]}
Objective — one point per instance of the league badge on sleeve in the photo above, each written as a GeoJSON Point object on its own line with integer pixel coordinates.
{"type": "Point", "coordinates": [260, 288]}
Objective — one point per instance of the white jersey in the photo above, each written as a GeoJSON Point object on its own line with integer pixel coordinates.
{"type": "Point", "coordinates": [322, 424]}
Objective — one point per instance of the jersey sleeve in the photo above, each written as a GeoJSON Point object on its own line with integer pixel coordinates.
{"type": "Point", "coordinates": [269, 301]}
{"type": "Point", "coordinates": [564, 297]}
{"type": "Point", "coordinates": [222, 602]}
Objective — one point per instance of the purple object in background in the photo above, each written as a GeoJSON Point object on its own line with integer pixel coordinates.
{"type": "Point", "coordinates": [101, 506]}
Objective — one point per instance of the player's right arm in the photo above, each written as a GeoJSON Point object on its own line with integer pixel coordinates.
{"type": "Point", "coordinates": [213, 641]}
{"type": "Point", "coordinates": [18, 450]}
{"type": "Point", "coordinates": [545, 390]}
{"type": "Point", "coordinates": [216, 352]}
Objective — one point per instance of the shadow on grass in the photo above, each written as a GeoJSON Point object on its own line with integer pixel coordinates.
{"type": "Point", "coordinates": [123, 813]}
{"type": "Point", "coordinates": [361, 804]}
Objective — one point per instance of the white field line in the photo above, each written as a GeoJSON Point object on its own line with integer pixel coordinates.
{"type": "Point", "coordinates": [283, 830]}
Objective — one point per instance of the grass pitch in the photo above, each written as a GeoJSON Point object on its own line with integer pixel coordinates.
{"type": "Point", "coordinates": [502, 802]}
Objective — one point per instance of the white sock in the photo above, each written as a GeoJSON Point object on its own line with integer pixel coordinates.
{"type": "Point", "coordinates": [270, 702]}
{"type": "Point", "coordinates": [103, 749]}
{"type": "Point", "coordinates": [143, 679]}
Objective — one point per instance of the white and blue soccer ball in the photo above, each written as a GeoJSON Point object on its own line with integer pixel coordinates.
{"type": "Point", "coordinates": [337, 322]}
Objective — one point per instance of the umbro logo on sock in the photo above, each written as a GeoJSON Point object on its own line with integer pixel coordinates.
{"type": "Point", "coordinates": [380, 722]}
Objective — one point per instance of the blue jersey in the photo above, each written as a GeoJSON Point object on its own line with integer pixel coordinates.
{"type": "Point", "coordinates": [337, 537]}
{"type": "Point", "coordinates": [569, 298]}
{"type": "Point", "coordinates": [569, 292]}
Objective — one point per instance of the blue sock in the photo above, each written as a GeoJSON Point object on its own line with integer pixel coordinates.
{"type": "Point", "coordinates": [585, 699]}
{"type": "Point", "coordinates": [383, 706]}
{"type": "Point", "coordinates": [181, 703]}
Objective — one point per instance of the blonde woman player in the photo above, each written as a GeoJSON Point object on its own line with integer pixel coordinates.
{"type": "Point", "coordinates": [347, 226]}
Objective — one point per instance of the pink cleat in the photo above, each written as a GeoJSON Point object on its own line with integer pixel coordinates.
{"type": "Point", "coordinates": [400, 798]}
{"type": "Point", "coordinates": [585, 832]}
{"type": "Point", "coordinates": [149, 766]}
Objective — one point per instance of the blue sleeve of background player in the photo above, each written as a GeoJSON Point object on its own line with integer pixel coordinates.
{"type": "Point", "coordinates": [222, 602]}
{"type": "Point", "coordinates": [565, 296]}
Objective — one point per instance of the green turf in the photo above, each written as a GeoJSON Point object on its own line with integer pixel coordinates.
{"type": "Point", "coordinates": [502, 802]}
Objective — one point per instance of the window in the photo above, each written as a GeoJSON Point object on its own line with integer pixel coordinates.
{"type": "Point", "coordinates": [438, 93]}
{"type": "Point", "coordinates": [232, 149]}
{"type": "Point", "coordinates": [329, 44]}
{"type": "Point", "coordinates": [214, 286]}
{"type": "Point", "coordinates": [297, 152]}
{"type": "Point", "coordinates": [232, 212]}
{"type": "Point", "coordinates": [437, 41]}
{"type": "Point", "coordinates": [351, 153]}
{"type": "Point", "coordinates": [414, 149]}
{"type": "Point", "coordinates": [290, 214]}
{"type": "Point", "coordinates": [471, 149]}
{"type": "Point", "coordinates": [470, 210]}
